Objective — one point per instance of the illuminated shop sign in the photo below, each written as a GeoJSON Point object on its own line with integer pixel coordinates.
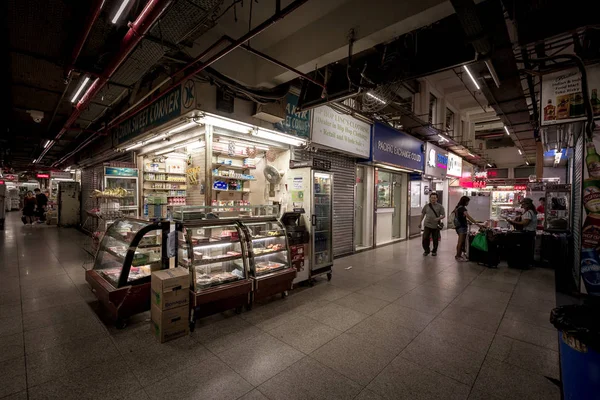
{"type": "Point", "coordinates": [396, 148]}
{"type": "Point", "coordinates": [42, 176]}
{"type": "Point", "coordinates": [454, 165]}
{"type": "Point", "coordinates": [437, 161]}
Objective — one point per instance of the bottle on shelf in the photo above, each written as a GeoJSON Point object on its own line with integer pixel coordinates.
{"type": "Point", "coordinates": [592, 160]}
{"type": "Point", "coordinates": [595, 102]}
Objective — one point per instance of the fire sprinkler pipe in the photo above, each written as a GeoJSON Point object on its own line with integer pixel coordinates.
{"type": "Point", "coordinates": [89, 23]}
{"type": "Point", "coordinates": [234, 45]}
{"type": "Point", "coordinates": [153, 10]}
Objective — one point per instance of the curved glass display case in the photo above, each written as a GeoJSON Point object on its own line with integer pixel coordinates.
{"type": "Point", "coordinates": [214, 253]}
{"type": "Point", "coordinates": [129, 252]}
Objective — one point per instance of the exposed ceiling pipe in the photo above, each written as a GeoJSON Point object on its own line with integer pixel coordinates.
{"type": "Point", "coordinates": [153, 10]}
{"type": "Point", "coordinates": [92, 17]}
{"type": "Point", "coordinates": [194, 71]}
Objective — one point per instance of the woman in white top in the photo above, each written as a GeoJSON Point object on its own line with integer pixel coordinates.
{"type": "Point", "coordinates": [529, 218]}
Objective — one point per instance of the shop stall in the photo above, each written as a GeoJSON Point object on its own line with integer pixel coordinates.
{"type": "Point", "coordinates": [396, 158]}
{"type": "Point", "coordinates": [129, 252]}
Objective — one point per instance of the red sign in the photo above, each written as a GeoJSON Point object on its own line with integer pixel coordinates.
{"type": "Point", "coordinates": [10, 177]}
{"type": "Point", "coordinates": [1, 182]}
{"type": "Point", "coordinates": [520, 187]}
{"type": "Point", "coordinates": [43, 176]}
{"type": "Point", "coordinates": [482, 175]}
{"type": "Point", "coordinates": [468, 184]}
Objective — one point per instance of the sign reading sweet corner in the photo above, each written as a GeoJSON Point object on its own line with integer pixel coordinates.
{"type": "Point", "coordinates": [167, 107]}
{"type": "Point", "coordinates": [341, 132]}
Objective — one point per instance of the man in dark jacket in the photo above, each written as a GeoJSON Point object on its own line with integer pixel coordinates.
{"type": "Point", "coordinates": [42, 202]}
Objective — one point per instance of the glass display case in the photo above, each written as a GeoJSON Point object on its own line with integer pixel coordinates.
{"type": "Point", "coordinates": [123, 182]}
{"type": "Point", "coordinates": [214, 253]}
{"type": "Point", "coordinates": [128, 253]}
{"type": "Point", "coordinates": [225, 210]}
{"type": "Point", "coordinates": [267, 247]}
{"type": "Point", "coordinates": [270, 266]}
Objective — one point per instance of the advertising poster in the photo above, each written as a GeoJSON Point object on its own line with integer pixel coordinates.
{"type": "Point", "coordinates": [296, 122]}
{"type": "Point", "coordinates": [590, 234]}
{"type": "Point", "coordinates": [562, 96]}
{"type": "Point", "coordinates": [455, 165]}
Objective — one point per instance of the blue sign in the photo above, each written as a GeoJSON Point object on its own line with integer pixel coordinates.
{"type": "Point", "coordinates": [114, 171]}
{"type": "Point", "coordinates": [396, 148]}
{"type": "Point", "coordinates": [296, 123]}
{"type": "Point", "coordinates": [167, 107]}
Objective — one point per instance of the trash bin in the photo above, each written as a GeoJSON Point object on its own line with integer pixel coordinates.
{"type": "Point", "coordinates": [579, 339]}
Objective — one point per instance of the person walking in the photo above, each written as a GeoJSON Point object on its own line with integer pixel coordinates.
{"type": "Point", "coordinates": [433, 213]}
{"type": "Point", "coordinates": [41, 201]}
{"type": "Point", "coordinates": [28, 208]}
{"type": "Point", "coordinates": [461, 224]}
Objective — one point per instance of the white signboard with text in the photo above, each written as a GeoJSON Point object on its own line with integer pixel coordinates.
{"type": "Point", "coordinates": [454, 165]}
{"type": "Point", "coordinates": [341, 132]}
{"type": "Point", "coordinates": [562, 99]}
{"type": "Point", "coordinates": [436, 161]}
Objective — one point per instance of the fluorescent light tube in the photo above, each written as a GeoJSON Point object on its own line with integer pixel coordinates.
{"type": "Point", "coordinates": [520, 152]}
{"type": "Point", "coordinates": [48, 143]}
{"type": "Point", "coordinates": [170, 149]}
{"type": "Point", "coordinates": [182, 128]}
{"type": "Point", "coordinates": [526, 162]}
{"type": "Point", "coordinates": [225, 124]}
{"type": "Point", "coordinates": [80, 89]}
{"type": "Point", "coordinates": [489, 165]}
{"type": "Point", "coordinates": [120, 11]}
{"type": "Point", "coordinates": [442, 138]}
{"type": "Point", "coordinates": [506, 129]}
{"type": "Point", "coordinates": [135, 146]}
{"type": "Point", "coordinates": [34, 161]}
{"type": "Point", "coordinates": [471, 76]}
{"type": "Point", "coordinates": [472, 155]}
{"type": "Point", "coordinates": [277, 137]}
{"type": "Point", "coordinates": [377, 98]}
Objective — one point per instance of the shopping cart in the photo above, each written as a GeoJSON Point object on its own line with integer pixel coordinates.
{"type": "Point", "coordinates": [490, 258]}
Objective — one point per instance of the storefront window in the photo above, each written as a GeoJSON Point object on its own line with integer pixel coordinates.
{"type": "Point", "coordinates": [384, 189]}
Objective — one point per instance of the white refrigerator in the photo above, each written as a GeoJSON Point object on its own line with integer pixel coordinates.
{"type": "Point", "coordinates": [312, 190]}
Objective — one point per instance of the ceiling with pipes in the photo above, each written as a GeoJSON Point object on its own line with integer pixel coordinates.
{"type": "Point", "coordinates": [76, 67]}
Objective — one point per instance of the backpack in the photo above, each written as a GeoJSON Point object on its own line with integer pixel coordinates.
{"type": "Point", "coordinates": [453, 220]}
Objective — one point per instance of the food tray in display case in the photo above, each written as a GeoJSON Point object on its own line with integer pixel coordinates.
{"type": "Point", "coordinates": [215, 253]}
{"type": "Point", "coordinates": [269, 257]}
{"type": "Point", "coordinates": [129, 252]}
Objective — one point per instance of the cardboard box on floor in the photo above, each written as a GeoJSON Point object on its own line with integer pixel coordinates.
{"type": "Point", "coordinates": [170, 288]}
{"type": "Point", "coordinates": [169, 324]}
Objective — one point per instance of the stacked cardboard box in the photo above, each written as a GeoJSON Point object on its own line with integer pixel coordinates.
{"type": "Point", "coordinates": [170, 303]}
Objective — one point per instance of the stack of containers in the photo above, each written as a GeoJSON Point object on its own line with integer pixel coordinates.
{"type": "Point", "coordinates": [170, 303]}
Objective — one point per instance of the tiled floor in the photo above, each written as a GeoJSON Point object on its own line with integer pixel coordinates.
{"type": "Point", "coordinates": [394, 326]}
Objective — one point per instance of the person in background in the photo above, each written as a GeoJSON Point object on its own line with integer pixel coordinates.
{"type": "Point", "coordinates": [28, 208]}
{"type": "Point", "coordinates": [433, 213]}
{"type": "Point", "coordinates": [542, 207]}
{"type": "Point", "coordinates": [461, 224]}
{"type": "Point", "coordinates": [41, 201]}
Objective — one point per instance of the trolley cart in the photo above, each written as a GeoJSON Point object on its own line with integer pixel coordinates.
{"type": "Point", "coordinates": [490, 258]}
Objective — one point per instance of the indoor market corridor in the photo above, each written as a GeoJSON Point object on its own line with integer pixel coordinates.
{"type": "Point", "coordinates": [390, 325]}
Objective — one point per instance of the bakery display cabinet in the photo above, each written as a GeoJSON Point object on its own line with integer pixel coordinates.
{"type": "Point", "coordinates": [269, 257]}
{"type": "Point", "coordinates": [129, 252]}
{"type": "Point", "coordinates": [215, 252]}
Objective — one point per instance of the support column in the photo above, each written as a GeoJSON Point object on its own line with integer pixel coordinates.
{"type": "Point", "coordinates": [208, 159]}
{"type": "Point", "coordinates": [539, 160]}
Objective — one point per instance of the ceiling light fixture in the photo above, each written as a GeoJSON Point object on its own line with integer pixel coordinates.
{"type": "Point", "coordinates": [120, 11]}
{"type": "Point", "coordinates": [526, 162]}
{"type": "Point", "coordinates": [34, 161]}
{"type": "Point", "coordinates": [506, 129]}
{"type": "Point", "coordinates": [377, 98]}
{"type": "Point", "coordinates": [520, 152]}
{"type": "Point", "coordinates": [226, 124]}
{"type": "Point", "coordinates": [80, 89]}
{"type": "Point", "coordinates": [489, 165]}
{"type": "Point", "coordinates": [471, 154]}
{"type": "Point", "coordinates": [471, 76]}
{"type": "Point", "coordinates": [442, 138]}
{"type": "Point", "coordinates": [48, 143]}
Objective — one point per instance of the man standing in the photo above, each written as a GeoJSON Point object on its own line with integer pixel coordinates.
{"type": "Point", "coordinates": [434, 213]}
{"type": "Point", "coordinates": [41, 201]}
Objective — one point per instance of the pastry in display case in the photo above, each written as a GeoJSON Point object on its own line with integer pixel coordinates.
{"type": "Point", "coordinates": [215, 253]}
{"type": "Point", "coordinates": [129, 252]}
{"type": "Point", "coordinates": [270, 266]}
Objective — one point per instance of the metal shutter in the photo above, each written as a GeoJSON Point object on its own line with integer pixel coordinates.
{"type": "Point", "coordinates": [577, 222]}
{"type": "Point", "coordinates": [344, 179]}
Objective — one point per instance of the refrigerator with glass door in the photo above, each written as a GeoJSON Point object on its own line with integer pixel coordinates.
{"type": "Point", "coordinates": [124, 183]}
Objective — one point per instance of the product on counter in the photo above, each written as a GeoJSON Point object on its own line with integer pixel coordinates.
{"type": "Point", "coordinates": [205, 280]}
{"type": "Point", "coordinates": [268, 266]}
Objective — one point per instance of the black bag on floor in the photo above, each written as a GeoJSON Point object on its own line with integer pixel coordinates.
{"type": "Point", "coordinates": [490, 258]}
{"type": "Point", "coordinates": [519, 249]}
